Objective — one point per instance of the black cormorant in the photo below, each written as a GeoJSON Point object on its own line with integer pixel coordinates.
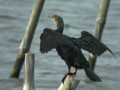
{"type": "Point", "coordinates": [69, 48]}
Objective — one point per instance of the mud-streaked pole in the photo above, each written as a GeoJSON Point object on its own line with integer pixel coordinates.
{"type": "Point", "coordinates": [27, 40]}
{"type": "Point", "coordinates": [70, 83]}
{"type": "Point", "coordinates": [100, 23]}
{"type": "Point", "coordinates": [29, 72]}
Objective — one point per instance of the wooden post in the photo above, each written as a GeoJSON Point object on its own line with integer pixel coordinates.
{"type": "Point", "coordinates": [100, 23]}
{"type": "Point", "coordinates": [27, 40]}
{"type": "Point", "coordinates": [70, 83]}
{"type": "Point", "coordinates": [29, 72]}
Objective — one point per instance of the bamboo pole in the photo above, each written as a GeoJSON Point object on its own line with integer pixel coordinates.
{"type": "Point", "coordinates": [100, 23]}
{"type": "Point", "coordinates": [70, 83]}
{"type": "Point", "coordinates": [29, 72]}
{"type": "Point", "coordinates": [27, 40]}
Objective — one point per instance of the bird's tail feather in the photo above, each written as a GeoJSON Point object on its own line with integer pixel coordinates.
{"type": "Point", "coordinates": [91, 75]}
{"type": "Point", "coordinates": [110, 51]}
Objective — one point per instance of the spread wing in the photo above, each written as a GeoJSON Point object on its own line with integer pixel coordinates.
{"type": "Point", "coordinates": [51, 39]}
{"type": "Point", "coordinates": [91, 44]}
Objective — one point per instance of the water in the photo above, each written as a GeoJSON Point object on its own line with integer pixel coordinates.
{"type": "Point", "coordinates": [78, 15]}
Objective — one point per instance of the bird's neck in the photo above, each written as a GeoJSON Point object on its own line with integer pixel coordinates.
{"type": "Point", "coordinates": [60, 27]}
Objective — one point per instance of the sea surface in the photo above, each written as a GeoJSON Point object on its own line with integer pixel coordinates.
{"type": "Point", "coordinates": [78, 15]}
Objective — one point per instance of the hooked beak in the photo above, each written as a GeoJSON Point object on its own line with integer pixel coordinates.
{"type": "Point", "coordinates": [52, 19]}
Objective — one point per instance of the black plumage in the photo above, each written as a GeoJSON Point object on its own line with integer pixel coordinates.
{"type": "Point", "coordinates": [65, 47]}
{"type": "Point", "coordinates": [91, 44]}
{"type": "Point", "coordinates": [69, 48]}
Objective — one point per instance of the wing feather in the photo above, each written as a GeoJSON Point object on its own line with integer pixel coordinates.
{"type": "Point", "coordinates": [51, 39]}
{"type": "Point", "coordinates": [88, 42]}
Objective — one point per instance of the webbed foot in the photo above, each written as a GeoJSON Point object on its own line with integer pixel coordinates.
{"type": "Point", "coordinates": [63, 79]}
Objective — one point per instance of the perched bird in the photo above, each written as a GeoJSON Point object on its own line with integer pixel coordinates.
{"type": "Point", "coordinates": [69, 48]}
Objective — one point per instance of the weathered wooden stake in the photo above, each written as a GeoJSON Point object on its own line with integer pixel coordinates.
{"type": "Point", "coordinates": [27, 40]}
{"type": "Point", "coordinates": [100, 23]}
{"type": "Point", "coordinates": [70, 83]}
{"type": "Point", "coordinates": [29, 72]}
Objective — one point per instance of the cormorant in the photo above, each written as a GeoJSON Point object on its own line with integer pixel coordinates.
{"type": "Point", "coordinates": [69, 48]}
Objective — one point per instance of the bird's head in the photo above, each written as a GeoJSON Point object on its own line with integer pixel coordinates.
{"type": "Point", "coordinates": [56, 19]}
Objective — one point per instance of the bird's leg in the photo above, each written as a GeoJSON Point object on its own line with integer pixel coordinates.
{"type": "Point", "coordinates": [75, 71]}
{"type": "Point", "coordinates": [68, 69]}
{"type": "Point", "coordinates": [68, 73]}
